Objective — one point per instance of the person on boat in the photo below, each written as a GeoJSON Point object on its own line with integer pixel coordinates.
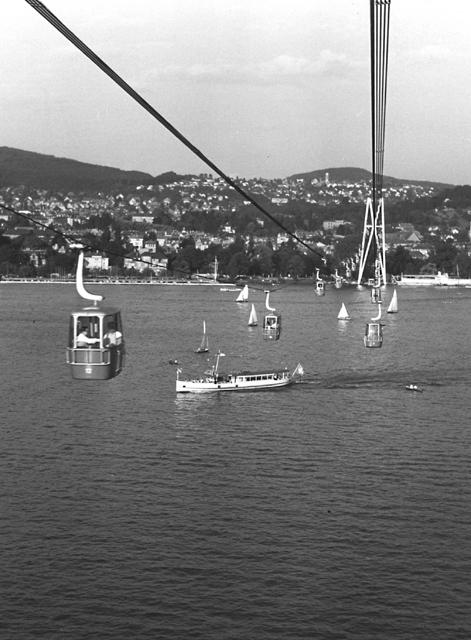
{"type": "Point", "coordinates": [112, 337]}
{"type": "Point", "coordinates": [84, 341]}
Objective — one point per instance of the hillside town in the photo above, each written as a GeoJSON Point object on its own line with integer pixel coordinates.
{"type": "Point", "coordinates": [181, 227]}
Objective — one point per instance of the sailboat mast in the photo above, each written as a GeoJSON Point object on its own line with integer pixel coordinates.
{"type": "Point", "coordinates": [217, 364]}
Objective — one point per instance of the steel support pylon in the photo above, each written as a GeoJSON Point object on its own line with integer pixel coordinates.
{"type": "Point", "coordinates": [373, 231]}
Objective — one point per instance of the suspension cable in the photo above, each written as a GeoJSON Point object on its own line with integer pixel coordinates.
{"type": "Point", "coordinates": [96, 247]}
{"type": "Point", "coordinates": [379, 50]}
{"type": "Point", "coordinates": [74, 239]}
{"type": "Point", "coordinates": [91, 55]}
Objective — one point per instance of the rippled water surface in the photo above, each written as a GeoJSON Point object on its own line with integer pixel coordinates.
{"type": "Point", "coordinates": [337, 508]}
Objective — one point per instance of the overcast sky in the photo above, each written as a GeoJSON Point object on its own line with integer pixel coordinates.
{"type": "Point", "coordinates": [263, 87]}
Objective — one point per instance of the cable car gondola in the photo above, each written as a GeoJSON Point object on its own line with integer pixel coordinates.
{"type": "Point", "coordinates": [376, 295]}
{"type": "Point", "coordinates": [320, 285]}
{"type": "Point", "coordinates": [271, 322]}
{"type": "Point", "coordinates": [374, 330]}
{"type": "Point", "coordinates": [96, 346]}
{"type": "Point", "coordinates": [374, 335]}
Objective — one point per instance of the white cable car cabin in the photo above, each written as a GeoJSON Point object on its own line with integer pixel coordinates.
{"type": "Point", "coordinates": [373, 335]}
{"type": "Point", "coordinates": [320, 284]}
{"type": "Point", "coordinates": [272, 326]}
{"type": "Point", "coordinates": [337, 280]}
{"type": "Point", "coordinates": [376, 295]}
{"type": "Point", "coordinates": [271, 321]}
{"type": "Point", "coordinates": [96, 347]}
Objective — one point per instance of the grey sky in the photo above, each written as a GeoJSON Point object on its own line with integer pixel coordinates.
{"type": "Point", "coordinates": [263, 87]}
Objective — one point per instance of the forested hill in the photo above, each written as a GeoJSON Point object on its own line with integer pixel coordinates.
{"type": "Point", "coordinates": [61, 174]}
{"type": "Point", "coordinates": [40, 171]}
{"type": "Point", "coordinates": [355, 174]}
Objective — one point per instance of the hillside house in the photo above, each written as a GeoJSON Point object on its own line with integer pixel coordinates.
{"type": "Point", "coordinates": [143, 219]}
{"type": "Point", "coordinates": [147, 261]}
{"type": "Point", "coordinates": [136, 240]}
{"type": "Point", "coordinates": [332, 225]}
{"type": "Point", "coordinates": [282, 238]}
{"type": "Point", "coordinates": [403, 239]}
{"type": "Point", "coordinates": [97, 262]}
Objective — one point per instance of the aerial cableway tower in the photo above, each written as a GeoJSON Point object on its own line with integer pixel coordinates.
{"type": "Point", "coordinates": [373, 251]}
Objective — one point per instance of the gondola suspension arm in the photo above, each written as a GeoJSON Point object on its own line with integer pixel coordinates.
{"type": "Point", "coordinates": [267, 302]}
{"type": "Point", "coordinates": [79, 281]}
{"type": "Point", "coordinates": [378, 317]}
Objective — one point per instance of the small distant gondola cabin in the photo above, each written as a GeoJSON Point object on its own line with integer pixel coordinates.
{"type": "Point", "coordinates": [96, 346]}
{"type": "Point", "coordinates": [376, 295]}
{"type": "Point", "coordinates": [373, 335]}
{"type": "Point", "coordinates": [272, 326]}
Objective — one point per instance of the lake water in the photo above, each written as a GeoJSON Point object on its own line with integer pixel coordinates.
{"type": "Point", "coordinates": [336, 508]}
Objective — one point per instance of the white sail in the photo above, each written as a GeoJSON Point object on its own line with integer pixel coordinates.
{"type": "Point", "coordinates": [253, 320]}
{"type": "Point", "coordinates": [393, 304]}
{"type": "Point", "coordinates": [343, 313]}
{"type": "Point", "coordinates": [243, 295]}
{"type": "Point", "coordinates": [204, 346]}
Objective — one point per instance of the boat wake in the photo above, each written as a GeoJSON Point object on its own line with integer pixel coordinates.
{"type": "Point", "coordinates": [384, 380]}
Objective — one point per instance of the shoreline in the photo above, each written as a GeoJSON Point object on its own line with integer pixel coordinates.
{"type": "Point", "coordinates": [114, 282]}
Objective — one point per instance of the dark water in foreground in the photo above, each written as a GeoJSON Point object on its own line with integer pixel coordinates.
{"type": "Point", "coordinates": [337, 508]}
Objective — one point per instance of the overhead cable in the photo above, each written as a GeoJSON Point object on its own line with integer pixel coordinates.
{"type": "Point", "coordinates": [379, 50]}
{"type": "Point", "coordinates": [91, 55]}
{"type": "Point", "coordinates": [71, 240]}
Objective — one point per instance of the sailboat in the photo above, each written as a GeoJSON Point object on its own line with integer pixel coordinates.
{"type": "Point", "coordinates": [253, 321]}
{"type": "Point", "coordinates": [343, 313]}
{"type": "Point", "coordinates": [393, 304]}
{"type": "Point", "coordinates": [243, 295]}
{"type": "Point", "coordinates": [204, 346]}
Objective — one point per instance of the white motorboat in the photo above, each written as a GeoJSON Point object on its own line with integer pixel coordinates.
{"type": "Point", "coordinates": [414, 387]}
{"type": "Point", "coordinates": [213, 380]}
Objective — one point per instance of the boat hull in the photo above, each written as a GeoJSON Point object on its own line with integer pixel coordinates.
{"type": "Point", "coordinates": [256, 382]}
{"type": "Point", "coordinates": [434, 280]}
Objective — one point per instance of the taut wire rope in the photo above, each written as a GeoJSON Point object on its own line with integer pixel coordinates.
{"type": "Point", "coordinates": [91, 55]}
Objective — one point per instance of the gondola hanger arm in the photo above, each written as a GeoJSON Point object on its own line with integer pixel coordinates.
{"type": "Point", "coordinates": [79, 282]}
{"type": "Point", "coordinates": [378, 317]}
{"type": "Point", "coordinates": [267, 302]}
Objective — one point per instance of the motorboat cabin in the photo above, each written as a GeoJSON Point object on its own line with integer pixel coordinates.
{"type": "Point", "coordinates": [272, 326]}
{"type": "Point", "coordinates": [320, 288]}
{"type": "Point", "coordinates": [373, 335]}
{"type": "Point", "coordinates": [96, 346]}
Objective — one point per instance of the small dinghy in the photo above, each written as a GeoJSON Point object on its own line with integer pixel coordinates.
{"type": "Point", "coordinates": [414, 387]}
